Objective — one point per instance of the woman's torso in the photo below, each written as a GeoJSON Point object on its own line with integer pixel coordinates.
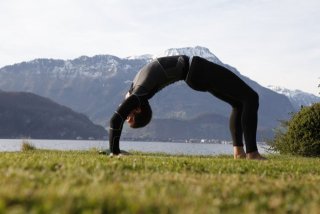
{"type": "Point", "coordinates": [158, 74]}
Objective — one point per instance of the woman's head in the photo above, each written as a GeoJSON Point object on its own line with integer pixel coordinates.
{"type": "Point", "coordinates": [140, 116]}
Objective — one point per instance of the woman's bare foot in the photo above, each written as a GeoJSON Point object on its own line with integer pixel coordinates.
{"type": "Point", "coordinates": [238, 152]}
{"type": "Point", "coordinates": [255, 156]}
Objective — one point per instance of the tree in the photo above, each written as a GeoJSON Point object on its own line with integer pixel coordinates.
{"type": "Point", "coordinates": [300, 135]}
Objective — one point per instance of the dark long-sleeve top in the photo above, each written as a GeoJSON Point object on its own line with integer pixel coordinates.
{"type": "Point", "coordinates": [148, 81]}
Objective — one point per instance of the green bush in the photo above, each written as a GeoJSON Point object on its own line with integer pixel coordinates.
{"type": "Point", "coordinates": [301, 134]}
{"type": "Point", "coordinates": [27, 146]}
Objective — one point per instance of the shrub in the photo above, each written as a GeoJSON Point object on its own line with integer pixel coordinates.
{"type": "Point", "coordinates": [301, 134]}
{"type": "Point", "coordinates": [27, 146]}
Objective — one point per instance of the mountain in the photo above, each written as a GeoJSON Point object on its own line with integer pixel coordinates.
{"type": "Point", "coordinates": [96, 85]}
{"type": "Point", "coordinates": [28, 115]}
{"type": "Point", "coordinates": [297, 98]}
{"type": "Point", "coordinates": [90, 85]}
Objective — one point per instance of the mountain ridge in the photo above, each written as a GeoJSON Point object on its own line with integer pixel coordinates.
{"type": "Point", "coordinates": [26, 115]}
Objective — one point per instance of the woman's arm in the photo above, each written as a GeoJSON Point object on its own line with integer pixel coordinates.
{"type": "Point", "coordinates": [117, 120]}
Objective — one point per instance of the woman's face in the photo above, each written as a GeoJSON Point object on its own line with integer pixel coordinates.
{"type": "Point", "coordinates": [131, 116]}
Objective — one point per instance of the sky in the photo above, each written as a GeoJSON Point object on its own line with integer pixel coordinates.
{"type": "Point", "coordinates": [273, 42]}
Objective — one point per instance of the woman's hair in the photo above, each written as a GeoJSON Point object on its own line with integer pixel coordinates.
{"type": "Point", "coordinates": [142, 118]}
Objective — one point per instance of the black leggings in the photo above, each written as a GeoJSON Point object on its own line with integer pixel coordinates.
{"type": "Point", "coordinates": [227, 86]}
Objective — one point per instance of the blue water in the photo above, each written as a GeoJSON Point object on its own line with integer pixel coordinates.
{"type": "Point", "coordinates": [164, 147]}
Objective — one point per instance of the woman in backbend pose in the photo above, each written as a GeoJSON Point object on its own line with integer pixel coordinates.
{"type": "Point", "coordinates": [201, 75]}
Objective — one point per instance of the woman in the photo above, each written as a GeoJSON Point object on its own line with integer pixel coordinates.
{"type": "Point", "coordinates": [201, 75]}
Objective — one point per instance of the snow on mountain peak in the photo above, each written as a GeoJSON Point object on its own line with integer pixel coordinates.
{"type": "Point", "coordinates": [144, 56]}
{"type": "Point", "coordinates": [281, 90]}
{"type": "Point", "coordinates": [191, 51]}
{"type": "Point", "coordinates": [188, 51]}
{"type": "Point", "coordinates": [297, 97]}
{"type": "Point", "coordinates": [288, 92]}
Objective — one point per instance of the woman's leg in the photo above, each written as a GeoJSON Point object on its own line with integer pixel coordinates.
{"type": "Point", "coordinates": [235, 125]}
{"type": "Point", "coordinates": [227, 86]}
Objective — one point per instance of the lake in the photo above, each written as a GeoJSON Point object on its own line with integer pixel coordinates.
{"type": "Point", "coordinates": [9, 145]}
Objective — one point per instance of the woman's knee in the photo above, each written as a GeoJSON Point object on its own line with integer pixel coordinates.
{"type": "Point", "coordinates": [251, 100]}
{"type": "Point", "coordinates": [254, 99]}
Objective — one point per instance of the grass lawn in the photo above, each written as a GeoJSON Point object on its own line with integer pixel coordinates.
{"type": "Point", "coordinates": [85, 182]}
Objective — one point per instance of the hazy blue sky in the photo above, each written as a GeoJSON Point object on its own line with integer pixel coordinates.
{"type": "Point", "coordinates": [271, 41]}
